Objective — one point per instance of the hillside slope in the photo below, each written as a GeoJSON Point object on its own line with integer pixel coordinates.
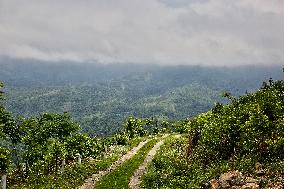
{"type": "Point", "coordinates": [246, 135]}
{"type": "Point", "coordinates": [101, 97]}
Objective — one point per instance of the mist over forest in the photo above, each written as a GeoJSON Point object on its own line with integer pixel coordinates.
{"type": "Point", "coordinates": [102, 96]}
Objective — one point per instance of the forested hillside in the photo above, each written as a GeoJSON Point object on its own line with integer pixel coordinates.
{"type": "Point", "coordinates": [101, 97]}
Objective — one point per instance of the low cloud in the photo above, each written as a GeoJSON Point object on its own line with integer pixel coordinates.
{"type": "Point", "coordinates": [207, 32]}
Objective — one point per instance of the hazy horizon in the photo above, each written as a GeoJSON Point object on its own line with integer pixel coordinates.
{"type": "Point", "coordinates": [163, 32]}
{"type": "Point", "coordinates": [33, 61]}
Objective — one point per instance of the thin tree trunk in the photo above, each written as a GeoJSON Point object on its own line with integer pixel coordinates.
{"type": "Point", "coordinates": [63, 165]}
{"type": "Point", "coordinates": [56, 159]}
{"type": "Point", "coordinates": [27, 169]}
{"type": "Point", "coordinates": [4, 181]}
{"type": "Point", "coordinates": [79, 159]}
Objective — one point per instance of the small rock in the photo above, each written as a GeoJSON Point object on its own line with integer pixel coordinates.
{"type": "Point", "coordinates": [232, 178]}
{"type": "Point", "coordinates": [250, 186]}
{"type": "Point", "coordinates": [251, 180]}
{"type": "Point", "coordinates": [259, 169]}
{"type": "Point", "coordinates": [214, 184]}
{"type": "Point", "coordinates": [276, 185]}
{"type": "Point", "coordinates": [235, 187]}
{"type": "Point", "coordinates": [258, 166]}
{"type": "Point", "coordinates": [224, 185]}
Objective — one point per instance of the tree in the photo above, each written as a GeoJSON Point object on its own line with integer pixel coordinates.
{"type": "Point", "coordinates": [44, 138]}
{"type": "Point", "coordinates": [135, 127]}
{"type": "Point", "coordinates": [4, 160]}
{"type": "Point", "coordinates": [4, 115]}
{"type": "Point", "coordinates": [5, 119]}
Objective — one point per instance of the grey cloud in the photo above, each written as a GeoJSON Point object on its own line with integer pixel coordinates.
{"type": "Point", "coordinates": [208, 32]}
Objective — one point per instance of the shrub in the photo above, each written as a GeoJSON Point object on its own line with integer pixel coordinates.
{"type": "Point", "coordinates": [4, 160]}
{"type": "Point", "coordinates": [250, 126]}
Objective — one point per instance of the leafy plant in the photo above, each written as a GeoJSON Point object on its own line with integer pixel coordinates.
{"type": "Point", "coordinates": [4, 160]}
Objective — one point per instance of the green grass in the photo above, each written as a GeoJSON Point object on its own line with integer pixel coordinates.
{"type": "Point", "coordinates": [161, 171]}
{"type": "Point", "coordinates": [74, 175]}
{"type": "Point", "coordinates": [119, 178]}
{"type": "Point", "coordinates": [170, 167]}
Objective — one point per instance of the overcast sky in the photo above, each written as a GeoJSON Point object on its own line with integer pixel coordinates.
{"type": "Point", "coordinates": [203, 32]}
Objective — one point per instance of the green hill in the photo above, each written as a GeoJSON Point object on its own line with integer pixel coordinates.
{"type": "Point", "coordinates": [101, 97]}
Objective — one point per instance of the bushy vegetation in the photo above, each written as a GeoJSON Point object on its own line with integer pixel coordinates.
{"type": "Point", "coordinates": [251, 126]}
{"type": "Point", "coordinates": [5, 121]}
{"type": "Point", "coordinates": [236, 136]}
{"type": "Point", "coordinates": [137, 127]}
{"type": "Point", "coordinates": [74, 174]}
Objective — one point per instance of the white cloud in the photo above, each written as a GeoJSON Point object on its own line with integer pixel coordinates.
{"type": "Point", "coordinates": [213, 32]}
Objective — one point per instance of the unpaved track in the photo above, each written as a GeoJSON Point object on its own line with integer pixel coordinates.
{"type": "Point", "coordinates": [91, 182]}
{"type": "Point", "coordinates": [135, 179]}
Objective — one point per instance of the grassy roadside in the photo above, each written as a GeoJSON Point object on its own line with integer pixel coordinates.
{"type": "Point", "coordinates": [163, 170]}
{"type": "Point", "coordinates": [74, 175]}
{"type": "Point", "coordinates": [119, 178]}
{"type": "Point", "coordinates": [170, 167]}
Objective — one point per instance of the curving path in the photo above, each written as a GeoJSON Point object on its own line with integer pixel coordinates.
{"type": "Point", "coordinates": [91, 182]}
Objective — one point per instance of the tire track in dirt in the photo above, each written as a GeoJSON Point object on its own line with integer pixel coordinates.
{"type": "Point", "coordinates": [135, 179]}
{"type": "Point", "coordinates": [91, 182]}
